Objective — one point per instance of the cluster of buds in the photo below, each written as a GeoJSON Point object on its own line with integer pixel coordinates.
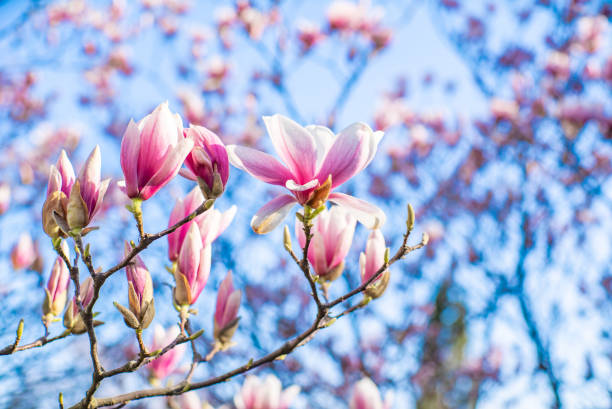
{"type": "Point", "coordinates": [72, 203]}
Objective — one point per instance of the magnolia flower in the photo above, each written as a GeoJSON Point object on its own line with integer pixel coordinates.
{"type": "Point", "coordinates": [267, 394]}
{"type": "Point", "coordinates": [5, 197]}
{"type": "Point", "coordinates": [140, 292]}
{"type": "Point", "coordinates": [87, 193]}
{"type": "Point", "coordinates": [207, 163]}
{"type": "Point", "coordinates": [502, 109]}
{"type": "Point", "coordinates": [193, 268]}
{"type": "Point", "coordinates": [57, 288]}
{"type": "Point", "coordinates": [167, 363]}
{"type": "Point", "coordinates": [332, 235]}
{"type": "Point", "coordinates": [371, 261]}
{"type": "Point", "coordinates": [211, 223]}
{"type": "Point", "coordinates": [226, 311]}
{"type": "Point", "coordinates": [316, 162]}
{"type": "Point", "coordinates": [72, 317]}
{"type": "Point", "coordinates": [61, 179]}
{"type": "Point", "coordinates": [152, 152]}
{"type": "Point", "coordinates": [24, 253]}
{"type": "Point", "coordinates": [366, 396]}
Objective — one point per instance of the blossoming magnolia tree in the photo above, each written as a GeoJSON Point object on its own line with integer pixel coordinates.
{"type": "Point", "coordinates": [496, 120]}
{"type": "Point", "coordinates": [152, 153]}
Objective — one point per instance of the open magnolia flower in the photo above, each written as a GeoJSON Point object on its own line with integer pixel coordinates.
{"type": "Point", "coordinates": [315, 162]}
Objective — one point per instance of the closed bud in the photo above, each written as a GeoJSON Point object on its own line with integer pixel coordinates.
{"type": "Point", "coordinates": [73, 319]}
{"type": "Point", "coordinates": [140, 289]}
{"type": "Point", "coordinates": [332, 236]}
{"type": "Point", "coordinates": [24, 252]}
{"type": "Point", "coordinates": [56, 291]}
{"type": "Point", "coordinates": [193, 268]}
{"type": "Point", "coordinates": [371, 261]}
{"type": "Point", "coordinates": [208, 162]}
{"type": "Point", "coordinates": [226, 312]}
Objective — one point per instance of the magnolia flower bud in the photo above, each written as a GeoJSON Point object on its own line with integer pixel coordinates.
{"type": "Point", "coordinates": [193, 268]}
{"type": "Point", "coordinates": [140, 294]}
{"type": "Point", "coordinates": [332, 236]}
{"type": "Point", "coordinates": [73, 319]}
{"type": "Point", "coordinates": [371, 261]}
{"type": "Point", "coordinates": [152, 152]}
{"type": "Point", "coordinates": [167, 363]}
{"type": "Point", "coordinates": [86, 194]}
{"type": "Point", "coordinates": [57, 288]}
{"type": "Point", "coordinates": [208, 163]}
{"type": "Point", "coordinates": [211, 223]}
{"type": "Point", "coordinates": [24, 253]}
{"type": "Point", "coordinates": [226, 312]}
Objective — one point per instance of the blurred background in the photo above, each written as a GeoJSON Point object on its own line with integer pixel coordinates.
{"type": "Point", "coordinates": [498, 130]}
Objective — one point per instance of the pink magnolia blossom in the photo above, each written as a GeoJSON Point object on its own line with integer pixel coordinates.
{"type": "Point", "coordinates": [61, 179]}
{"type": "Point", "coordinates": [591, 30]}
{"type": "Point", "coordinates": [226, 311]}
{"type": "Point", "coordinates": [193, 268]}
{"type": "Point", "coordinates": [207, 163]}
{"type": "Point", "coordinates": [5, 197]}
{"type": "Point", "coordinates": [211, 223]}
{"type": "Point", "coordinates": [167, 363]}
{"type": "Point", "coordinates": [558, 64]}
{"type": "Point", "coordinates": [56, 292]}
{"type": "Point", "coordinates": [366, 396]}
{"type": "Point", "coordinates": [24, 252]}
{"type": "Point", "coordinates": [72, 317]}
{"type": "Point", "coordinates": [371, 261]}
{"type": "Point", "coordinates": [152, 152]}
{"type": "Point", "coordinates": [87, 192]}
{"type": "Point", "coordinates": [312, 156]}
{"type": "Point", "coordinates": [266, 394]}
{"type": "Point", "coordinates": [140, 289]}
{"type": "Point", "coordinates": [332, 235]}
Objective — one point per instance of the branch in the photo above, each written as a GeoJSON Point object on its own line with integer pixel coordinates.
{"type": "Point", "coordinates": [15, 347]}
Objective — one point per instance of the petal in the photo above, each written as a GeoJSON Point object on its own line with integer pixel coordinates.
{"type": "Point", "coordinates": [66, 171]}
{"type": "Point", "coordinates": [367, 214]}
{"type": "Point", "coordinates": [292, 185]}
{"type": "Point", "coordinates": [203, 273]}
{"type": "Point", "coordinates": [55, 181]}
{"type": "Point", "coordinates": [130, 146]}
{"type": "Point", "coordinates": [259, 164]}
{"type": "Point", "coordinates": [231, 307]}
{"type": "Point", "coordinates": [159, 133]}
{"type": "Point", "coordinates": [89, 179]}
{"type": "Point", "coordinates": [272, 213]}
{"type": "Point", "coordinates": [189, 256]}
{"type": "Point", "coordinates": [324, 139]}
{"type": "Point", "coordinates": [352, 151]}
{"type": "Point", "coordinates": [317, 254]}
{"type": "Point", "coordinates": [294, 144]}
{"type": "Point", "coordinates": [101, 192]}
{"type": "Point", "coordinates": [188, 174]}
{"type": "Point", "coordinates": [169, 169]}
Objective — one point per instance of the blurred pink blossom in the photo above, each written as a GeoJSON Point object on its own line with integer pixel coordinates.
{"type": "Point", "coordinates": [24, 252]}
{"type": "Point", "coordinates": [366, 396]}
{"type": "Point", "coordinates": [266, 394]}
{"type": "Point", "coordinates": [167, 363]}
